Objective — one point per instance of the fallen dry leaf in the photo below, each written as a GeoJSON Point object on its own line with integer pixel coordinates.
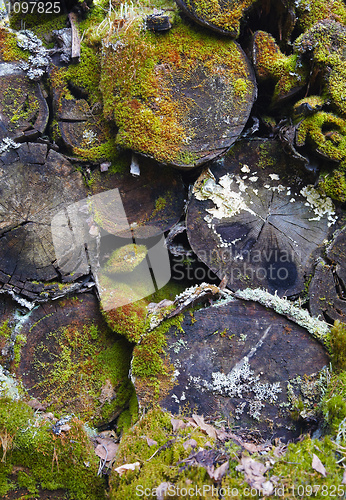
{"type": "Point", "coordinates": [106, 449]}
{"type": "Point", "coordinates": [217, 474]}
{"type": "Point", "coordinates": [123, 468]}
{"type": "Point", "coordinates": [254, 475]}
{"type": "Point", "coordinates": [107, 392]}
{"type": "Point", "coordinates": [161, 490]}
{"type": "Point", "coordinates": [252, 448]}
{"type": "Point", "coordinates": [190, 442]}
{"type": "Point", "coordinates": [177, 424]}
{"type": "Point", "coordinates": [344, 477]}
{"type": "Point", "coordinates": [209, 429]}
{"type": "Point", "coordinates": [65, 428]}
{"type": "Point", "coordinates": [318, 466]}
{"type": "Point", "coordinates": [222, 435]}
{"type": "Point", "coordinates": [151, 442]}
{"type": "Point", "coordinates": [36, 404]}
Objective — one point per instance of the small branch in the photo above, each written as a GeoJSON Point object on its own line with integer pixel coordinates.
{"type": "Point", "coordinates": [75, 52]}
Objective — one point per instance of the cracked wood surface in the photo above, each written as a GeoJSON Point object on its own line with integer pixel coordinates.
{"type": "Point", "coordinates": [36, 183]}
{"type": "Point", "coordinates": [235, 359]}
{"type": "Point", "coordinates": [327, 291]}
{"type": "Point", "coordinates": [250, 221]}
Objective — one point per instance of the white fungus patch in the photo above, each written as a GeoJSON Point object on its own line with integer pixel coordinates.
{"type": "Point", "coordinates": [245, 169]}
{"type": "Point", "coordinates": [321, 205]}
{"type": "Point", "coordinates": [274, 177]}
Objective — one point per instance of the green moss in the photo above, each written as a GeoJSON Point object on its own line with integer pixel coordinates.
{"type": "Point", "coordinates": [295, 468]}
{"type": "Point", "coordinates": [333, 184]}
{"type": "Point", "coordinates": [164, 465]}
{"type": "Point", "coordinates": [5, 330]}
{"type": "Point", "coordinates": [86, 73]}
{"type": "Point", "coordinates": [324, 44]}
{"type": "Point", "coordinates": [338, 346]}
{"type": "Point", "coordinates": [270, 63]}
{"type": "Point", "coordinates": [78, 366]}
{"type": "Point", "coordinates": [124, 421]}
{"type": "Point", "coordinates": [34, 458]}
{"type": "Point", "coordinates": [311, 11]}
{"type": "Point", "coordinates": [125, 259]}
{"type": "Point", "coordinates": [325, 132]}
{"type": "Point", "coordinates": [130, 320]}
{"type": "Point", "coordinates": [308, 105]}
{"type": "Point", "coordinates": [138, 93]}
{"type": "Point", "coordinates": [226, 17]}
{"type": "Point", "coordinates": [85, 76]}
{"type": "Point", "coordinates": [150, 365]}
{"type": "Point", "coordinates": [17, 348]}
{"type": "Point", "coordinates": [40, 24]}
{"type": "Point", "coordinates": [9, 50]}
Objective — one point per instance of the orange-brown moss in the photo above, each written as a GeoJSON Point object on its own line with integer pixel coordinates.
{"type": "Point", "coordinates": [270, 63]}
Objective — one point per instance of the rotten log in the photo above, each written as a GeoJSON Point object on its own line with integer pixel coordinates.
{"type": "Point", "coordinates": [75, 49]}
{"type": "Point", "coordinates": [36, 184]}
{"type": "Point", "coordinates": [223, 17]}
{"type": "Point", "coordinates": [23, 109]}
{"type": "Point", "coordinates": [199, 101]}
{"type": "Point", "coordinates": [66, 362]}
{"type": "Point", "coordinates": [327, 291]}
{"type": "Point", "coordinates": [256, 219]}
{"type": "Point", "coordinates": [234, 360]}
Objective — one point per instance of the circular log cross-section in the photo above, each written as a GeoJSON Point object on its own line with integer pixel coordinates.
{"type": "Point", "coordinates": [24, 111]}
{"type": "Point", "coordinates": [153, 201]}
{"type": "Point", "coordinates": [258, 226]}
{"type": "Point", "coordinates": [182, 98]}
{"type": "Point", "coordinates": [36, 184]}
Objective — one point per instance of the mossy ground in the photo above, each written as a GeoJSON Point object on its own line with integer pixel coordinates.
{"type": "Point", "coordinates": [162, 467]}
{"type": "Point", "coordinates": [35, 459]}
{"type": "Point", "coordinates": [41, 25]}
{"type": "Point", "coordinates": [290, 470]}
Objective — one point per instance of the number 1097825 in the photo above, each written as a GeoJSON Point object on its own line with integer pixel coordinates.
{"type": "Point", "coordinates": [33, 7]}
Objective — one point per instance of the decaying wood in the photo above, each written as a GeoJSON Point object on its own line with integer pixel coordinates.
{"type": "Point", "coordinates": [256, 219]}
{"type": "Point", "coordinates": [327, 291]}
{"type": "Point", "coordinates": [48, 351]}
{"type": "Point", "coordinates": [223, 17]}
{"type": "Point", "coordinates": [75, 52]}
{"type": "Point", "coordinates": [235, 359]}
{"type": "Point", "coordinates": [202, 102]}
{"type": "Point", "coordinates": [37, 183]}
{"type": "Point", "coordinates": [153, 201]}
{"type": "Point", "coordinates": [23, 109]}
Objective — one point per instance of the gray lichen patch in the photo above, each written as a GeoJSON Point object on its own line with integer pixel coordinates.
{"type": "Point", "coordinates": [241, 381]}
{"type": "Point", "coordinates": [318, 329]}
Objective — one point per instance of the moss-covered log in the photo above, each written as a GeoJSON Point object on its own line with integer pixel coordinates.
{"type": "Point", "coordinates": [181, 98]}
